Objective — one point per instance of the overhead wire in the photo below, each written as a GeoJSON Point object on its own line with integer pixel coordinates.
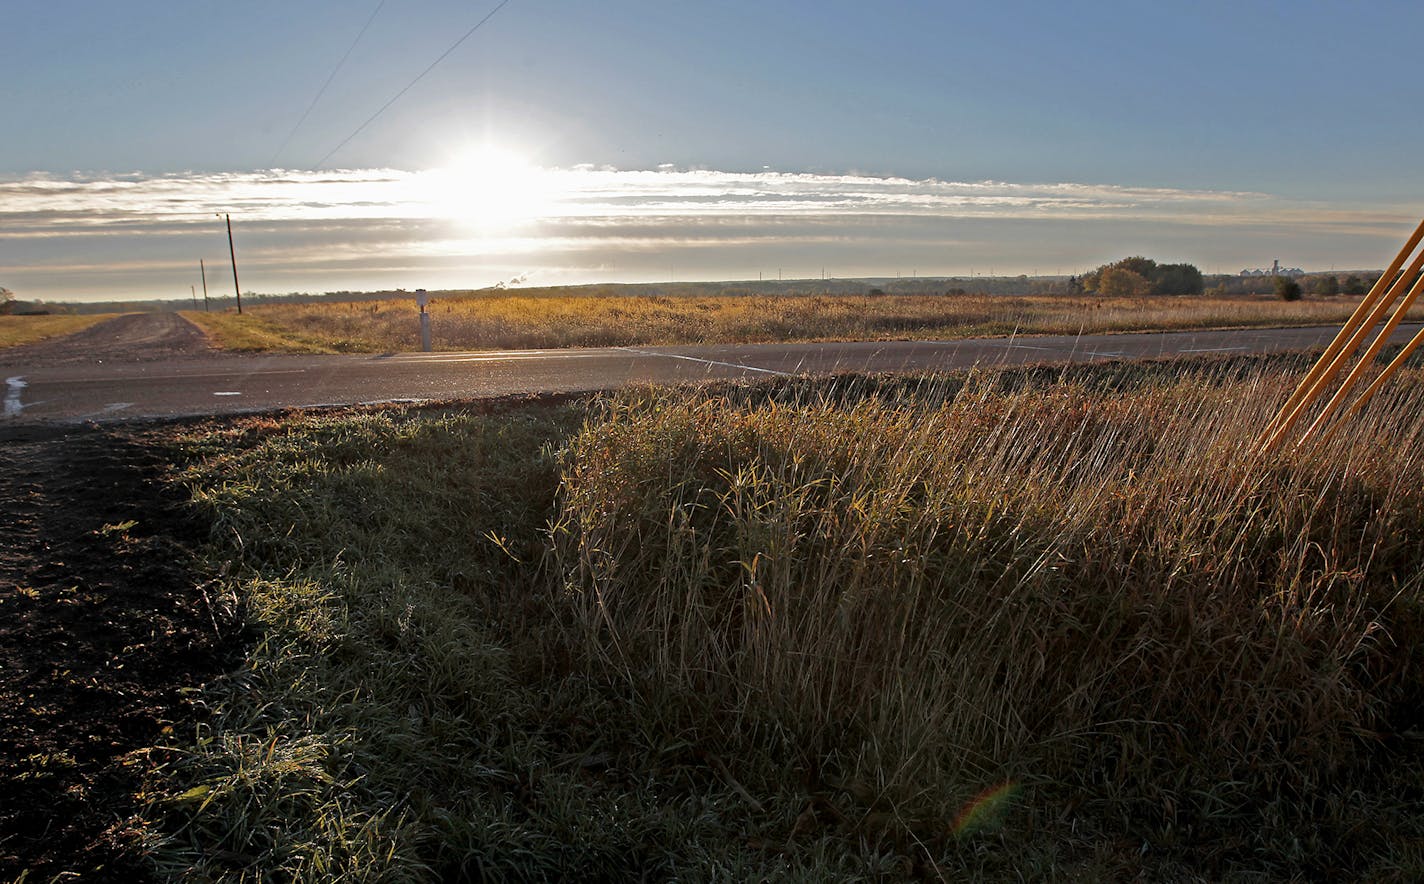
{"type": "Point", "coordinates": [322, 91]}
{"type": "Point", "coordinates": [479, 24]}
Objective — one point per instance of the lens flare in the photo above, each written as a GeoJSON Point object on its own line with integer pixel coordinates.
{"type": "Point", "coordinates": [985, 810]}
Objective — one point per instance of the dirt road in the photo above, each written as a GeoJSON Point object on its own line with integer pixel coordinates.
{"type": "Point", "coordinates": [133, 337]}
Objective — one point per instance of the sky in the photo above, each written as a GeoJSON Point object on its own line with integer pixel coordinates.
{"type": "Point", "coordinates": [633, 140]}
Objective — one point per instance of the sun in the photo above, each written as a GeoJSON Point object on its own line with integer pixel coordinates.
{"type": "Point", "coordinates": [490, 188]}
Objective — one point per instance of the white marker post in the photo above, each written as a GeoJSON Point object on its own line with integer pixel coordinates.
{"type": "Point", "coordinates": [421, 299]}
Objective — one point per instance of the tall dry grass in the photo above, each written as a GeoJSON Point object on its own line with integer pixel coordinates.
{"type": "Point", "coordinates": [522, 322]}
{"type": "Point", "coordinates": [913, 599]}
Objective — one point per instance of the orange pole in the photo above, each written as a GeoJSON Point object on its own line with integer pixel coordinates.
{"type": "Point", "coordinates": [1362, 330]}
{"type": "Point", "coordinates": [1308, 388]}
{"type": "Point", "coordinates": [1374, 387]}
{"type": "Point", "coordinates": [1365, 361]}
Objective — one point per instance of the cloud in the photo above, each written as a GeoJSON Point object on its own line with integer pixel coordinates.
{"type": "Point", "coordinates": [40, 201]}
{"type": "Point", "coordinates": [91, 235]}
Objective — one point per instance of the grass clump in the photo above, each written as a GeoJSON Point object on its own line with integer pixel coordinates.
{"type": "Point", "coordinates": [1018, 624]}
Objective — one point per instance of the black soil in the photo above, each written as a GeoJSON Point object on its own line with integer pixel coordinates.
{"type": "Point", "coordinates": [104, 622]}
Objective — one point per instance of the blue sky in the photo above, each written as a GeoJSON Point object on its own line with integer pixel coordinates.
{"type": "Point", "coordinates": [1223, 134]}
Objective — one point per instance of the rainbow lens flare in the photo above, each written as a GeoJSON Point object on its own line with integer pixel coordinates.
{"type": "Point", "coordinates": [985, 810]}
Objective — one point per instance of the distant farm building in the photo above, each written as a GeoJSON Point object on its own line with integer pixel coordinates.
{"type": "Point", "coordinates": [1276, 270]}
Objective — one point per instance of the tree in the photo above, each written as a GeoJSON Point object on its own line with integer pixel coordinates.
{"type": "Point", "coordinates": [7, 300]}
{"type": "Point", "coordinates": [1325, 285]}
{"type": "Point", "coordinates": [1177, 279]}
{"type": "Point", "coordinates": [1162, 279]}
{"type": "Point", "coordinates": [1119, 282]}
{"type": "Point", "coordinates": [1146, 267]}
{"type": "Point", "coordinates": [1353, 285]}
{"type": "Point", "coordinates": [1287, 289]}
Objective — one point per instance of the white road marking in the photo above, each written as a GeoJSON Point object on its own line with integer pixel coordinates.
{"type": "Point", "coordinates": [13, 386]}
{"type": "Point", "coordinates": [1213, 349]}
{"type": "Point", "coordinates": [249, 372]}
{"type": "Point", "coordinates": [110, 409]}
{"type": "Point", "coordinates": [511, 356]}
{"type": "Point", "coordinates": [783, 374]}
{"type": "Point", "coordinates": [227, 393]}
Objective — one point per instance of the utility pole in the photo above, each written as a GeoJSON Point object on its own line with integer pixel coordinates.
{"type": "Point", "coordinates": [233, 253]}
{"type": "Point", "coordinates": [194, 290]}
{"type": "Point", "coordinates": [204, 270]}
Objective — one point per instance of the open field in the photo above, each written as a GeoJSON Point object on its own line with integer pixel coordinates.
{"type": "Point", "coordinates": [528, 321]}
{"type": "Point", "coordinates": [16, 330]}
{"type": "Point", "coordinates": [1029, 624]}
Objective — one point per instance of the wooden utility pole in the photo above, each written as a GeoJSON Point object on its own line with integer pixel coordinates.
{"type": "Point", "coordinates": [194, 290]}
{"type": "Point", "coordinates": [204, 270]}
{"type": "Point", "coordinates": [233, 253]}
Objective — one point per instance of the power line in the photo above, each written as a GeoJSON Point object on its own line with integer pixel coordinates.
{"type": "Point", "coordinates": [322, 91]}
{"type": "Point", "coordinates": [411, 84]}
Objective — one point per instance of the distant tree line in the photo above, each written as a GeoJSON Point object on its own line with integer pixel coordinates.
{"type": "Point", "coordinates": [1318, 284]}
{"type": "Point", "coordinates": [13, 306]}
{"type": "Point", "coordinates": [1330, 284]}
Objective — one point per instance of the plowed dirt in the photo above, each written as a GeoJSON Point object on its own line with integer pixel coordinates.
{"type": "Point", "coordinates": [104, 625]}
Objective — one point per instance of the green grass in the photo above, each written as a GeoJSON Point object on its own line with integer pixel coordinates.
{"type": "Point", "coordinates": [1049, 625]}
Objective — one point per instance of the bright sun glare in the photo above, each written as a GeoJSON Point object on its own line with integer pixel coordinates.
{"type": "Point", "coordinates": [490, 188]}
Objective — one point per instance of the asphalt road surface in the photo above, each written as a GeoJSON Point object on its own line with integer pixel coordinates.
{"type": "Point", "coordinates": [158, 365]}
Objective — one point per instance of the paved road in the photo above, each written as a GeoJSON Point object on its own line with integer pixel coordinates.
{"type": "Point", "coordinates": [160, 372]}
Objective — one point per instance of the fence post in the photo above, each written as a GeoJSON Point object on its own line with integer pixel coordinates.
{"type": "Point", "coordinates": [422, 299]}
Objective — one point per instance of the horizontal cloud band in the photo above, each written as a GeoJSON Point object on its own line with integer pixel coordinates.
{"type": "Point", "coordinates": [577, 192]}
{"type": "Point", "coordinates": [91, 235]}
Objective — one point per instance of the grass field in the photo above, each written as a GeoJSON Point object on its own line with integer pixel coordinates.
{"type": "Point", "coordinates": [534, 320]}
{"type": "Point", "coordinates": [16, 330]}
{"type": "Point", "coordinates": [1031, 624]}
